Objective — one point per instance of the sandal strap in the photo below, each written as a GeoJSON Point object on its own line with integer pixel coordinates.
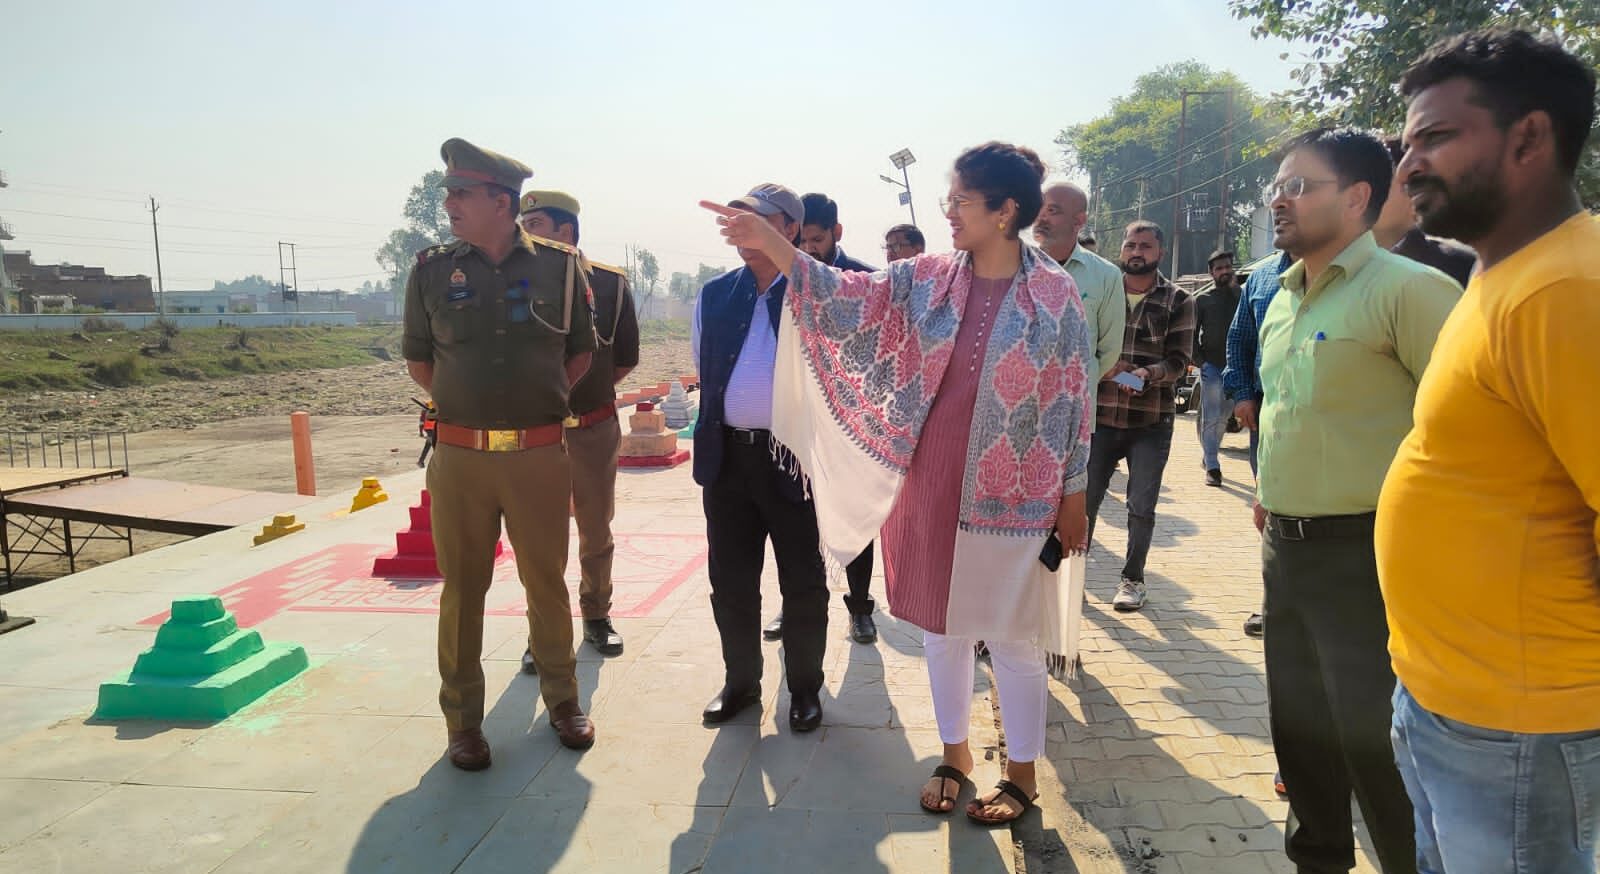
{"type": "Point", "coordinates": [1009, 788]}
{"type": "Point", "coordinates": [949, 772]}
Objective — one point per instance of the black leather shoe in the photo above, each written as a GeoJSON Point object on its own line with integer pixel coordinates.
{"type": "Point", "coordinates": [862, 628]}
{"type": "Point", "coordinates": [528, 667]}
{"type": "Point", "coordinates": [1255, 626]}
{"type": "Point", "coordinates": [805, 712]}
{"type": "Point", "coordinates": [729, 702]}
{"type": "Point", "coordinates": [602, 636]}
{"type": "Point", "coordinates": [774, 629]}
{"type": "Point", "coordinates": [1213, 477]}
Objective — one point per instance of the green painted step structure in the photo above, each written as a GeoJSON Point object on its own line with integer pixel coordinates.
{"type": "Point", "coordinates": [203, 668]}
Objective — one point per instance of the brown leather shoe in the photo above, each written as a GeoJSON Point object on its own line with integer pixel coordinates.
{"type": "Point", "coordinates": [575, 729]}
{"type": "Point", "coordinates": [469, 749]}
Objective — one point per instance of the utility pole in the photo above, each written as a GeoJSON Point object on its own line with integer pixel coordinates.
{"type": "Point", "coordinates": [288, 277]}
{"type": "Point", "coordinates": [161, 290]}
{"type": "Point", "coordinates": [1177, 188]}
{"type": "Point", "coordinates": [1142, 181]}
{"type": "Point", "coordinates": [1178, 195]}
{"type": "Point", "coordinates": [1227, 184]}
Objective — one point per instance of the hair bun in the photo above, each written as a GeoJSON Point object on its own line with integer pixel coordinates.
{"type": "Point", "coordinates": [1033, 160]}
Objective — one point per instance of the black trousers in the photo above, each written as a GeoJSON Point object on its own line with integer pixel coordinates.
{"type": "Point", "coordinates": [744, 508]}
{"type": "Point", "coordinates": [859, 572]}
{"type": "Point", "coordinates": [1329, 683]}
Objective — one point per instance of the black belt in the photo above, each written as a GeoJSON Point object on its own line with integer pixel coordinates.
{"type": "Point", "coordinates": [746, 436]}
{"type": "Point", "coordinates": [1322, 527]}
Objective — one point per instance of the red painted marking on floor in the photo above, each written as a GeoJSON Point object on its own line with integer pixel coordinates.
{"type": "Point", "coordinates": [647, 569]}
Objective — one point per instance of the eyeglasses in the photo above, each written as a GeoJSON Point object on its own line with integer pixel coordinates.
{"type": "Point", "coordinates": [954, 201]}
{"type": "Point", "coordinates": [1292, 188]}
{"type": "Point", "coordinates": [896, 246]}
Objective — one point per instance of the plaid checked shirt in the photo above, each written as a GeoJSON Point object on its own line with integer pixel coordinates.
{"type": "Point", "coordinates": [1160, 337]}
{"type": "Point", "coordinates": [1241, 379]}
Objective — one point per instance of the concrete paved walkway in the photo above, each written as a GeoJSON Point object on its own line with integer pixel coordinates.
{"type": "Point", "coordinates": [1158, 757]}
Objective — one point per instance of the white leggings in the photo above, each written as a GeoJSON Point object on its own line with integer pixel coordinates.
{"type": "Point", "coordinates": [1020, 675]}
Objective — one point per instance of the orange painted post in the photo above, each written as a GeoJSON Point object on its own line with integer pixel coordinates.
{"type": "Point", "coordinates": [305, 471]}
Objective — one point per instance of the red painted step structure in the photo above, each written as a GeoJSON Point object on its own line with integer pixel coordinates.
{"type": "Point", "coordinates": [414, 553]}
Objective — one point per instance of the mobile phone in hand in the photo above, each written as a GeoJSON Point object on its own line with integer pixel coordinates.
{"type": "Point", "coordinates": [1128, 379]}
{"type": "Point", "coordinates": [1050, 555]}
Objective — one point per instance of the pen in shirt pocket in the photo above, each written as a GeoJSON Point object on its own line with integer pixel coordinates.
{"type": "Point", "coordinates": [1320, 337]}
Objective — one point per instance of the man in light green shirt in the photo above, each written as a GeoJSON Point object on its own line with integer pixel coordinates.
{"type": "Point", "coordinates": [1105, 306]}
{"type": "Point", "coordinates": [1343, 346]}
{"type": "Point", "coordinates": [1341, 355]}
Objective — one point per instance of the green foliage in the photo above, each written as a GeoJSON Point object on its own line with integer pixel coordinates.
{"type": "Point", "coordinates": [1353, 52]}
{"type": "Point", "coordinates": [122, 370]}
{"type": "Point", "coordinates": [205, 353]}
{"type": "Point", "coordinates": [254, 284]}
{"type": "Point", "coordinates": [426, 224]}
{"type": "Point", "coordinates": [1132, 152]}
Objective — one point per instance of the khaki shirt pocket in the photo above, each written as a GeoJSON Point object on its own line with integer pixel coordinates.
{"type": "Point", "coordinates": [456, 322]}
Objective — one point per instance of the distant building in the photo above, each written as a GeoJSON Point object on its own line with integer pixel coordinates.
{"type": "Point", "coordinates": [45, 286]}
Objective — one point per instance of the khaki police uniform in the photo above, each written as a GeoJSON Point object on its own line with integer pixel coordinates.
{"type": "Point", "coordinates": [498, 337]}
{"type": "Point", "coordinates": [594, 444]}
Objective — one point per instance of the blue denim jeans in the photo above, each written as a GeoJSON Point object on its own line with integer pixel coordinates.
{"type": "Point", "coordinates": [1497, 802]}
{"type": "Point", "coordinates": [1214, 413]}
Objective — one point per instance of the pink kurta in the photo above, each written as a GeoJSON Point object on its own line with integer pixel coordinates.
{"type": "Point", "coordinates": [919, 537]}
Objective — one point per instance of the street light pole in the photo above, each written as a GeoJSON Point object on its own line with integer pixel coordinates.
{"type": "Point", "coordinates": [901, 160]}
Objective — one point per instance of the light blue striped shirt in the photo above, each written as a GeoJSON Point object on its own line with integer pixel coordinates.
{"type": "Point", "coordinates": [748, 401]}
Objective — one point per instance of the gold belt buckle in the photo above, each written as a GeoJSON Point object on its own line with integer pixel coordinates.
{"type": "Point", "coordinates": [503, 441]}
{"type": "Point", "coordinates": [571, 422]}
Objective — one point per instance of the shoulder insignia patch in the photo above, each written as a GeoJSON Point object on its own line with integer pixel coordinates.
{"type": "Point", "coordinates": [552, 244]}
{"type": "Point", "coordinates": [598, 265]}
{"type": "Point", "coordinates": [431, 253]}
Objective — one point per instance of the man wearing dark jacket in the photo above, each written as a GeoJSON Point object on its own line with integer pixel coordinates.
{"type": "Point", "coordinates": [1214, 310]}
{"type": "Point", "coordinates": [750, 497]}
{"type": "Point", "coordinates": [819, 238]}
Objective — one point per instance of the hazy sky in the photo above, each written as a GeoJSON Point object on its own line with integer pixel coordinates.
{"type": "Point", "coordinates": [309, 121]}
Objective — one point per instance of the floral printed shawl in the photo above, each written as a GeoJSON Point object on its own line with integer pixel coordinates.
{"type": "Point", "coordinates": [860, 359]}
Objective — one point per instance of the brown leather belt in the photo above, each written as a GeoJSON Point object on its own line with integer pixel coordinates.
{"type": "Point", "coordinates": [508, 440]}
{"type": "Point", "coordinates": [593, 417]}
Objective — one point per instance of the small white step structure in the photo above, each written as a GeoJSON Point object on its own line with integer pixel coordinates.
{"type": "Point", "coordinates": [679, 409]}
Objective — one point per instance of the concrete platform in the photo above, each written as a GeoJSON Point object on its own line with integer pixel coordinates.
{"type": "Point", "coordinates": [1158, 759]}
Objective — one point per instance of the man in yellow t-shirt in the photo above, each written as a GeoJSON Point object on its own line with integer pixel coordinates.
{"type": "Point", "coordinates": [1487, 542]}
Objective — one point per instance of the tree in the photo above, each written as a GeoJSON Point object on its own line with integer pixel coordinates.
{"type": "Point", "coordinates": [426, 225]}
{"type": "Point", "coordinates": [1355, 52]}
{"type": "Point", "coordinates": [255, 284]}
{"type": "Point", "coordinates": [644, 274]}
{"type": "Point", "coordinates": [686, 286]}
{"type": "Point", "coordinates": [1131, 155]}
{"type": "Point", "coordinates": [681, 287]}
{"type": "Point", "coordinates": [706, 273]}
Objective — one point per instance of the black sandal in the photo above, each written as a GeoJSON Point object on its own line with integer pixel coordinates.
{"type": "Point", "coordinates": [950, 773]}
{"type": "Point", "coordinates": [1006, 787]}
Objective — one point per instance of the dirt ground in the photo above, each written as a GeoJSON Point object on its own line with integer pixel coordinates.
{"type": "Point", "coordinates": [368, 390]}
{"type": "Point", "coordinates": [235, 432]}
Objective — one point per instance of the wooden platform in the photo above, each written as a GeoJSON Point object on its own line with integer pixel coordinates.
{"type": "Point", "coordinates": [153, 505]}
{"type": "Point", "coordinates": [14, 480]}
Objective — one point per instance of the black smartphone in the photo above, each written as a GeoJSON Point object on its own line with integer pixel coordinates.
{"type": "Point", "coordinates": [1050, 555]}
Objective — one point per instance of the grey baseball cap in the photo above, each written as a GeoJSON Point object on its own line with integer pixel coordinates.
{"type": "Point", "coordinates": [770, 199]}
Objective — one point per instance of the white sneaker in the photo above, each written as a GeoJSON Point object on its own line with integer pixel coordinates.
{"type": "Point", "coordinates": [1130, 595]}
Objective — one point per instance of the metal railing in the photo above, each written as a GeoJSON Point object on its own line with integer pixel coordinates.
{"type": "Point", "coordinates": [63, 449]}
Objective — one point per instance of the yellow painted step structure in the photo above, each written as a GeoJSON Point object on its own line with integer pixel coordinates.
{"type": "Point", "coordinates": [282, 525]}
{"type": "Point", "coordinates": [371, 493]}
